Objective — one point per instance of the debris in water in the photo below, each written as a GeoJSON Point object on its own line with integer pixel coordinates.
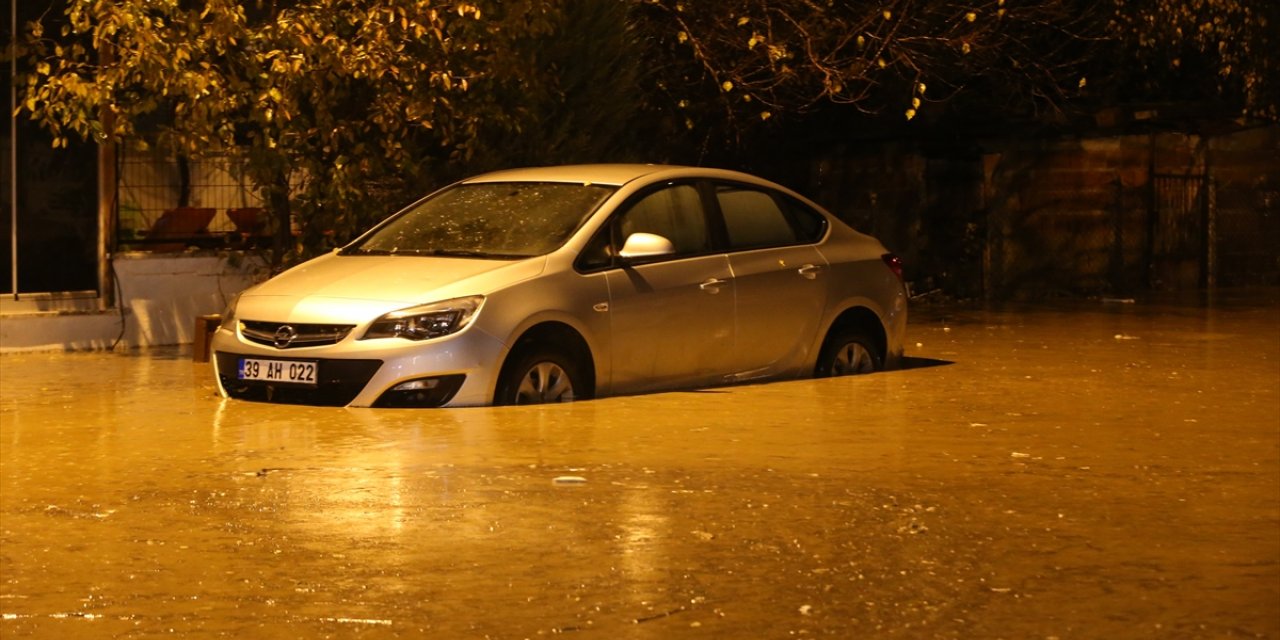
{"type": "Point", "coordinates": [570, 480]}
{"type": "Point", "coordinates": [913, 528]}
{"type": "Point", "coordinates": [658, 616]}
{"type": "Point", "coordinates": [358, 621]}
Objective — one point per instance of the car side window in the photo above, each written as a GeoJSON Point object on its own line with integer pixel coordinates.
{"type": "Point", "coordinates": [753, 218]}
{"type": "Point", "coordinates": [810, 225]}
{"type": "Point", "coordinates": [598, 254]}
{"type": "Point", "coordinates": [674, 213]}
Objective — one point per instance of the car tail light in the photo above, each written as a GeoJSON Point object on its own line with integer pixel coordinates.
{"type": "Point", "coordinates": [894, 263]}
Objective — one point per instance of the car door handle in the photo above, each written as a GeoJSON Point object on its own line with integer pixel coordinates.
{"type": "Point", "coordinates": [809, 271]}
{"type": "Point", "coordinates": [713, 285]}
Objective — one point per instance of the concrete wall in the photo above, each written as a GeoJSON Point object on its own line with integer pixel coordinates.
{"type": "Point", "coordinates": [162, 295]}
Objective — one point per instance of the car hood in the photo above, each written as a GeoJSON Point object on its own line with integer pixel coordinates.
{"type": "Point", "coordinates": [337, 288]}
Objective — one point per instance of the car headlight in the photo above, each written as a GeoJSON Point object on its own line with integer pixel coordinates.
{"type": "Point", "coordinates": [426, 321]}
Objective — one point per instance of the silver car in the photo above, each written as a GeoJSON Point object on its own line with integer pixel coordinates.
{"type": "Point", "coordinates": [564, 283]}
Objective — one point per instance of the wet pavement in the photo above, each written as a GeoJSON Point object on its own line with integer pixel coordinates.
{"type": "Point", "coordinates": [1078, 470]}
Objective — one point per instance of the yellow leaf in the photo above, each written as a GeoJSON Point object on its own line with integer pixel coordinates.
{"type": "Point", "coordinates": [971, 16]}
{"type": "Point", "coordinates": [1083, 82]}
{"type": "Point", "coordinates": [743, 20]}
{"type": "Point", "coordinates": [682, 37]}
{"type": "Point", "coordinates": [765, 115]}
{"type": "Point", "coordinates": [911, 113]}
{"type": "Point", "coordinates": [888, 14]}
{"type": "Point", "coordinates": [726, 86]}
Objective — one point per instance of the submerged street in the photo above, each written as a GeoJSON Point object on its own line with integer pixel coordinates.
{"type": "Point", "coordinates": [1093, 469]}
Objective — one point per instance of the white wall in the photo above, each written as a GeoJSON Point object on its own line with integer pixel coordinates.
{"type": "Point", "coordinates": [162, 294]}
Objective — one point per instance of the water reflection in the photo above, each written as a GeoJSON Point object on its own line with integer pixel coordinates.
{"type": "Point", "coordinates": [981, 498]}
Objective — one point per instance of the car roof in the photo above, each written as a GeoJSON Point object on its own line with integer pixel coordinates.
{"type": "Point", "coordinates": [606, 174]}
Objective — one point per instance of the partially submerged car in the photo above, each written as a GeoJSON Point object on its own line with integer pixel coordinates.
{"type": "Point", "coordinates": [563, 283]}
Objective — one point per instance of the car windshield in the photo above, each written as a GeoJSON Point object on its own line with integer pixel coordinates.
{"type": "Point", "coordinates": [488, 220]}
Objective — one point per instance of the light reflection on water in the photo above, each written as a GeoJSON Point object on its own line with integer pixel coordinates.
{"type": "Point", "coordinates": [1095, 463]}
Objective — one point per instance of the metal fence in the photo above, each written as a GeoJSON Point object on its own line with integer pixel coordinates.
{"type": "Point", "coordinates": [1175, 232]}
{"type": "Point", "coordinates": [1070, 216]}
{"type": "Point", "coordinates": [1246, 233]}
{"type": "Point", "coordinates": [168, 203]}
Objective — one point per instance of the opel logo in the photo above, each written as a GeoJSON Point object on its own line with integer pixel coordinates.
{"type": "Point", "coordinates": [285, 336]}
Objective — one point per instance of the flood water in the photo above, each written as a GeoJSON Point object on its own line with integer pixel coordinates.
{"type": "Point", "coordinates": [1083, 470]}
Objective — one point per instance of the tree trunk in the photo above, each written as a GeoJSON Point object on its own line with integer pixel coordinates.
{"type": "Point", "coordinates": [184, 181]}
{"type": "Point", "coordinates": [278, 201]}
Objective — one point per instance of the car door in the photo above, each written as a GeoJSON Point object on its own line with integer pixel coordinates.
{"type": "Point", "coordinates": [671, 318]}
{"type": "Point", "coordinates": [780, 279]}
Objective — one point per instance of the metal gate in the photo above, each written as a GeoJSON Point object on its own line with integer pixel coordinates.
{"type": "Point", "coordinates": [1180, 227]}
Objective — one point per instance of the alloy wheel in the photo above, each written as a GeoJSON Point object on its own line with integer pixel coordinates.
{"type": "Point", "coordinates": [852, 358]}
{"type": "Point", "coordinates": [545, 382]}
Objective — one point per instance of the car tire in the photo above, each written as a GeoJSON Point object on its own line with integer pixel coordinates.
{"type": "Point", "coordinates": [848, 352]}
{"type": "Point", "coordinates": [540, 375]}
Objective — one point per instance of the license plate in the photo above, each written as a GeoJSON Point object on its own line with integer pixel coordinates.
{"type": "Point", "coordinates": [291, 371]}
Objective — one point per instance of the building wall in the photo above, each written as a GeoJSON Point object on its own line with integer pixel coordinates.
{"type": "Point", "coordinates": [162, 296]}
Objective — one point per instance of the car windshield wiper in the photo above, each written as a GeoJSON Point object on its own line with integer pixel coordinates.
{"type": "Point", "coordinates": [463, 253]}
{"type": "Point", "coordinates": [444, 253]}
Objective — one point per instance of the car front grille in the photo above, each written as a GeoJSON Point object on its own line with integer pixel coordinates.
{"type": "Point", "coordinates": [292, 336]}
{"type": "Point", "coordinates": [338, 382]}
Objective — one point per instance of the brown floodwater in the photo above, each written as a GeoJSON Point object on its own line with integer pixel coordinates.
{"type": "Point", "coordinates": [1076, 470]}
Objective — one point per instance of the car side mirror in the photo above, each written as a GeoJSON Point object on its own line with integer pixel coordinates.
{"type": "Point", "coordinates": [640, 246]}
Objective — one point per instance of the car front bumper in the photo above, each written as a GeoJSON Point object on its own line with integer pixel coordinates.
{"type": "Point", "coordinates": [456, 370]}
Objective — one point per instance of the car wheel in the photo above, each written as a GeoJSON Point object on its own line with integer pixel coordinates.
{"type": "Point", "coordinates": [848, 352]}
{"type": "Point", "coordinates": [540, 376]}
